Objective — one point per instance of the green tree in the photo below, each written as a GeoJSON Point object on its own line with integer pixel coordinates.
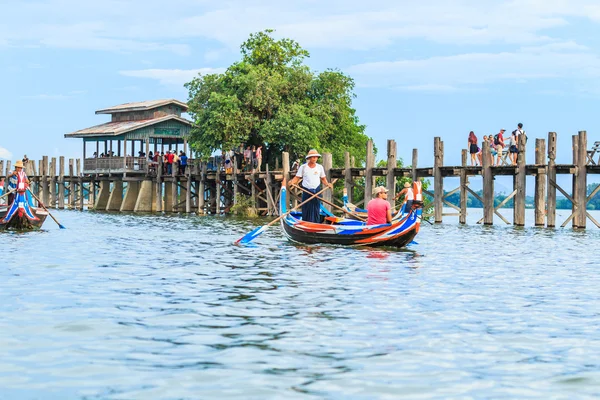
{"type": "Point", "coordinates": [271, 98]}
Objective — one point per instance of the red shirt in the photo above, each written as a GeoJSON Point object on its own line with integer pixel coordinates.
{"type": "Point", "coordinates": [170, 158]}
{"type": "Point", "coordinates": [377, 211]}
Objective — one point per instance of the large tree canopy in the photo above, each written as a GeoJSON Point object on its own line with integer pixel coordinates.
{"type": "Point", "coordinates": [271, 98]}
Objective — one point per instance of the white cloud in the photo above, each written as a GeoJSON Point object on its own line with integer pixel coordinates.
{"type": "Point", "coordinates": [146, 25]}
{"type": "Point", "coordinates": [171, 77]}
{"type": "Point", "coordinates": [5, 154]}
{"type": "Point", "coordinates": [44, 96]}
{"type": "Point", "coordinates": [474, 69]}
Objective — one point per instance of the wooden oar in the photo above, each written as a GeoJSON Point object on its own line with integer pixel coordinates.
{"type": "Point", "coordinates": [335, 205]}
{"type": "Point", "coordinates": [6, 194]}
{"type": "Point", "coordinates": [44, 207]}
{"type": "Point", "coordinates": [248, 237]}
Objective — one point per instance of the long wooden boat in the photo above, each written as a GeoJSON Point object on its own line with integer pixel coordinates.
{"type": "Point", "coordinates": [21, 215]}
{"type": "Point", "coordinates": [348, 232]}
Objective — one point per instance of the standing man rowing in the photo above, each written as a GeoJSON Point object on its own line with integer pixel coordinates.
{"type": "Point", "coordinates": [312, 175]}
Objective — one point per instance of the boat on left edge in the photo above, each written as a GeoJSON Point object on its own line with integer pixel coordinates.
{"type": "Point", "coordinates": [19, 213]}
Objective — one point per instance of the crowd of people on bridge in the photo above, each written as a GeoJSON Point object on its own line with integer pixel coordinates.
{"type": "Point", "coordinates": [501, 147]}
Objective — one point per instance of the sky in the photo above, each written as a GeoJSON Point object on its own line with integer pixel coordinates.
{"type": "Point", "coordinates": [422, 69]}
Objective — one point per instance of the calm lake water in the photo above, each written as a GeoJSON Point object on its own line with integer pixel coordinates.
{"type": "Point", "coordinates": [165, 307]}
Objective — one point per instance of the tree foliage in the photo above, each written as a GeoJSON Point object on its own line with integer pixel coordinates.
{"type": "Point", "coordinates": [271, 97]}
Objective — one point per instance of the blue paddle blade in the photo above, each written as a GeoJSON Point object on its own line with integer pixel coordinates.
{"type": "Point", "coordinates": [61, 226]}
{"type": "Point", "coordinates": [413, 242]}
{"type": "Point", "coordinates": [248, 237]}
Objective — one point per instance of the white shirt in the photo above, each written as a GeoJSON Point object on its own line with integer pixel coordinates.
{"type": "Point", "coordinates": [311, 177]}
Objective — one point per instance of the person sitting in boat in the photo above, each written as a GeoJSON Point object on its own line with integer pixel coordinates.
{"type": "Point", "coordinates": [12, 186]}
{"type": "Point", "coordinates": [379, 210]}
{"type": "Point", "coordinates": [409, 197]}
{"type": "Point", "coordinates": [312, 175]}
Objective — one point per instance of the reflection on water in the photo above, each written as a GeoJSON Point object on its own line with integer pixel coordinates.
{"type": "Point", "coordinates": [141, 306]}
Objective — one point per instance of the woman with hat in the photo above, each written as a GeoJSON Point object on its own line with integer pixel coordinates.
{"type": "Point", "coordinates": [312, 175]}
{"type": "Point", "coordinates": [17, 181]}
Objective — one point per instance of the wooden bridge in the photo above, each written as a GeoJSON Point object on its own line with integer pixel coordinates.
{"type": "Point", "coordinates": [131, 184]}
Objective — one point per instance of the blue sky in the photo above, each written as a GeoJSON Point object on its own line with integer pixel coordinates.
{"type": "Point", "coordinates": [422, 69]}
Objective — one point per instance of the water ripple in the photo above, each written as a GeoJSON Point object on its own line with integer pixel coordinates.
{"type": "Point", "coordinates": [164, 306]}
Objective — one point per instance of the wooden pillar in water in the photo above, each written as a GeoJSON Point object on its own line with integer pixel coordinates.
{"type": "Point", "coordinates": [575, 142]}
{"type": "Point", "coordinates": [464, 182]}
{"type": "Point", "coordinates": [45, 181]}
{"type": "Point", "coordinates": [369, 164]}
{"type": "Point", "coordinates": [438, 179]}
{"type": "Point", "coordinates": [540, 182]}
{"type": "Point", "coordinates": [61, 183]}
{"type": "Point", "coordinates": [188, 189]}
{"type": "Point", "coordinates": [202, 187]}
{"type": "Point", "coordinates": [271, 206]}
{"type": "Point", "coordinates": [217, 194]}
{"type": "Point", "coordinates": [348, 182]}
{"type": "Point", "coordinates": [253, 190]}
{"type": "Point", "coordinates": [391, 178]}
{"type": "Point", "coordinates": [520, 181]}
{"type": "Point", "coordinates": [327, 165]}
{"type": "Point", "coordinates": [53, 197]}
{"type": "Point", "coordinates": [80, 184]}
{"type": "Point", "coordinates": [488, 183]}
{"type": "Point", "coordinates": [71, 198]}
{"type": "Point", "coordinates": [159, 197]}
{"type": "Point", "coordinates": [415, 161]}
{"type": "Point", "coordinates": [235, 179]}
{"type": "Point", "coordinates": [581, 195]}
{"type": "Point", "coordinates": [551, 176]}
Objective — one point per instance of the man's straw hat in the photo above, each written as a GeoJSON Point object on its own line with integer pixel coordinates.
{"type": "Point", "coordinates": [406, 184]}
{"type": "Point", "coordinates": [313, 153]}
{"type": "Point", "coordinates": [379, 189]}
{"type": "Point", "coordinates": [19, 164]}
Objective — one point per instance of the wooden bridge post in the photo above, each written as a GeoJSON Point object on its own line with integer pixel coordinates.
{"type": "Point", "coordinates": [438, 179]}
{"type": "Point", "coordinates": [391, 166]}
{"type": "Point", "coordinates": [8, 165]}
{"type": "Point", "coordinates": [45, 181]}
{"type": "Point", "coordinates": [80, 184]}
{"type": "Point", "coordinates": [575, 182]}
{"type": "Point", "coordinates": [188, 189]}
{"type": "Point", "coordinates": [488, 183]}
{"type": "Point", "coordinates": [217, 194]}
{"type": "Point", "coordinates": [551, 176]}
{"type": "Point", "coordinates": [348, 182]}
{"type": "Point", "coordinates": [61, 183]}
{"type": "Point", "coordinates": [235, 180]}
{"type": "Point", "coordinates": [520, 181]}
{"type": "Point", "coordinates": [369, 164]}
{"type": "Point", "coordinates": [159, 196]}
{"type": "Point", "coordinates": [581, 195]}
{"type": "Point", "coordinates": [71, 197]}
{"type": "Point", "coordinates": [202, 187]}
{"type": "Point", "coordinates": [540, 182]}
{"type": "Point", "coordinates": [415, 160]}
{"type": "Point", "coordinates": [53, 199]}
{"type": "Point", "coordinates": [462, 218]}
{"type": "Point", "coordinates": [327, 165]}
